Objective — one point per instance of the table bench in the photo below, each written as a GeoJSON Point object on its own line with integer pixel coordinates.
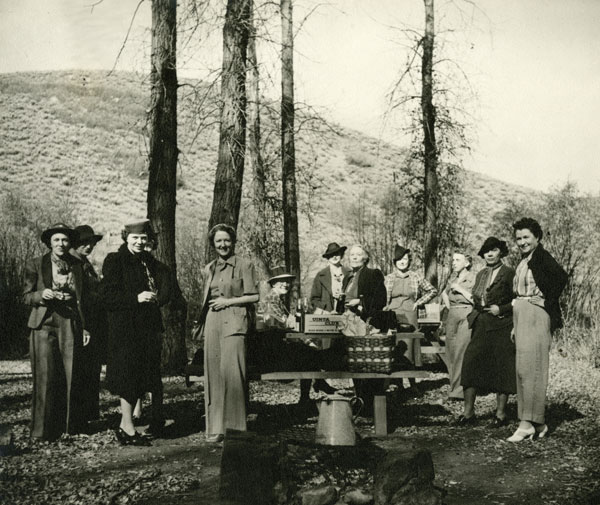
{"type": "Point", "coordinates": [379, 401]}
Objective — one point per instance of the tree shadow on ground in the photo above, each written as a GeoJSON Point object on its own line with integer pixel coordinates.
{"type": "Point", "coordinates": [558, 413]}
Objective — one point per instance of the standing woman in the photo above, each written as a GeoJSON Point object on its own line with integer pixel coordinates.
{"type": "Point", "coordinates": [230, 289]}
{"type": "Point", "coordinates": [327, 287]}
{"type": "Point", "coordinates": [94, 354]}
{"type": "Point", "coordinates": [489, 361]}
{"type": "Point", "coordinates": [538, 284]}
{"type": "Point", "coordinates": [459, 301]}
{"type": "Point", "coordinates": [133, 297]}
{"type": "Point", "coordinates": [54, 289]}
{"type": "Point", "coordinates": [406, 290]}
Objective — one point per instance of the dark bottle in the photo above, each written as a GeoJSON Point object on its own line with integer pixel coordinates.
{"type": "Point", "coordinates": [340, 304]}
{"type": "Point", "coordinates": [299, 314]}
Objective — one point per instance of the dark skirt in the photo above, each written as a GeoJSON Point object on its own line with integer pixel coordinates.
{"type": "Point", "coordinates": [489, 362]}
{"type": "Point", "coordinates": [133, 366]}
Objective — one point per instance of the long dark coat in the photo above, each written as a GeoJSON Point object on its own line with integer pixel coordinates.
{"type": "Point", "coordinates": [489, 361]}
{"type": "Point", "coordinates": [371, 286]}
{"type": "Point", "coordinates": [134, 329]}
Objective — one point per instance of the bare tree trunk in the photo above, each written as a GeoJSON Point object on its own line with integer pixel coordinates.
{"type": "Point", "coordinates": [288, 151]}
{"type": "Point", "coordinates": [259, 192]}
{"type": "Point", "coordinates": [430, 149]}
{"type": "Point", "coordinates": [232, 139]}
{"type": "Point", "coordinates": [162, 168]}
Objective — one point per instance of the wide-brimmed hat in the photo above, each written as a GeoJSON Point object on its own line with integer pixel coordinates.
{"type": "Point", "coordinates": [334, 249]}
{"type": "Point", "coordinates": [142, 226]}
{"type": "Point", "coordinates": [280, 274]}
{"type": "Point", "coordinates": [85, 234]}
{"type": "Point", "coordinates": [400, 252]}
{"type": "Point", "coordinates": [491, 243]}
{"type": "Point", "coordinates": [59, 228]}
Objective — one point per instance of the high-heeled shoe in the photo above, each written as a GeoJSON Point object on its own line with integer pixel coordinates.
{"type": "Point", "coordinates": [125, 438]}
{"type": "Point", "coordinates": [522, 434]}
{"type": "Point", "coordinates": [541, 431]}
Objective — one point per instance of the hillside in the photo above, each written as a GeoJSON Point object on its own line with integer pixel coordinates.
{"type": "Point", "coordinates": [79, 137]}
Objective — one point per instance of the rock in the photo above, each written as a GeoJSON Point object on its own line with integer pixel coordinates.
{"type": "Point", "coordinates": [357, 497]}
{"type": "Point", "coordinates": [6, 440]}
{"type": "Point", "coordinates": [325, 495]}
{"type": "Point", "coordinates": [429, 495]}
{"type": "Point", "coordinates": [250, 470]}
{"type": "Point", "coordinates": [402, 473]}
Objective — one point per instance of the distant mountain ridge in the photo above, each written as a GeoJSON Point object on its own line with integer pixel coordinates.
{"type": "Point", "coordinates": [80, 135]}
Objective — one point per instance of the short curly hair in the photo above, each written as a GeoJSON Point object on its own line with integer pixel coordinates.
{"type": "Point", "coordinates": [230, 230]}
{"type": "Point", "coordinates": [467, 257]}
{"type": "Point", "coordinates": [530, 224]}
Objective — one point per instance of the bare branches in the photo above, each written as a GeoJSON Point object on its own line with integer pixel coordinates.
{"type": "Point", "coordinates": [126, 37]}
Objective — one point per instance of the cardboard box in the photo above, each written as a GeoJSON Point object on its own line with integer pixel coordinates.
{"type": "Point", "coordinates": [322, 323]}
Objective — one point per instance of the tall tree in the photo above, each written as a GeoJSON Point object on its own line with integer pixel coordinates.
{"type": "Point", "coordinates": [162, 168]}
{"type": "Point", "coordinates": [232, 137]}
{"type": "Point", "coordinates": [288, 150]}
{"type": "Point", "coordinates": [430, 151]}
{"type": "Point", "coordinates": [258, 226]}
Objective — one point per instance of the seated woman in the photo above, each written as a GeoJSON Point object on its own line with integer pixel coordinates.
{"type": "Point", "coordinates": [289, 355]}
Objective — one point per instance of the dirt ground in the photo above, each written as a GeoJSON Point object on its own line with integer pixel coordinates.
{"type": "Point", "coordinates": [474, 465]}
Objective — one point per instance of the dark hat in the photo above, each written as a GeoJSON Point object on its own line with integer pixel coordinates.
{"type": "Point", "coordinates": [491, 243]}
{"type": "Point", "coordinates": [59, 228]}
{"type": "Point", "coordinates": [142, 226]}
{"type": "Point", "coordinates": [400, 252]}
{"type": "Point", "coordinates": [280, 274]}
{"type": "Point", "coordinates": [85, 234]}
{"type": "Point", "coordinates": [334, 249]}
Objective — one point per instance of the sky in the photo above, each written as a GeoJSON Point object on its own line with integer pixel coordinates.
{"type": "Point", "coordinates": [533, 68]}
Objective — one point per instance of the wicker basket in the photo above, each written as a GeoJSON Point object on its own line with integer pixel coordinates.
{"type": "Point", "coordinates": [372, 353]}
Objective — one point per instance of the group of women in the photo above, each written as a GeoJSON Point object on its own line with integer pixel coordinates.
{"type": "Point", "coordinates": [498, 328]}
{"type": "Point", "coordinates": [73, 312]}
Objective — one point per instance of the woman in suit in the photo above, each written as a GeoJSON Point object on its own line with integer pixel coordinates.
{"type": "Point", "coordinates": [406, 290]}
{"type": "Point", "coordinates": [327, 287]}
{"type": "Point", "coordinates": [54, 289]}
{"type": "Point", "coordinates": [489, 361]}
{"type": "Point", "coordinates": [94, 354]}
{"type": "Point", "coordinates": [230, 289]}
{"type": "Point", "coordinates": [538, 284]}
{"type": "Point", "coordinates": [133, 297]}
{"type": "Point", "coordinates": [458, 299]}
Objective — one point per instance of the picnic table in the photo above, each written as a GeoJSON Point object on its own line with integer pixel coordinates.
{"type": "Point", "coordinates": [380, 399]}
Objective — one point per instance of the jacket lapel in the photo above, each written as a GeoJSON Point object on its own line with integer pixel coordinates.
{"type": "Point", "coordinates": [47, 271]}
{"type": "Point", "coordinates": [325, 278]}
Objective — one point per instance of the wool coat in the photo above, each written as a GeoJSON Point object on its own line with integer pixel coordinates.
{"type": "Point", "coordinates": [489, 361]}
{"type": "Point", "coordinates": [321, 295]}
{"type": "Point", "coordinates": [550, 277]}
{"type": "Point", "coordinates": [134, 329]}
{"type": "Point", "coordinates": [371, 286]}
